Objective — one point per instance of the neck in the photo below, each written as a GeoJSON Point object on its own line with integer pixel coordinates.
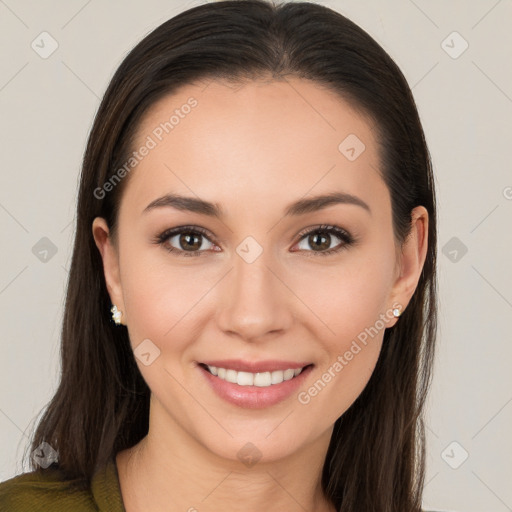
{"type": "Point", "coordinates": [170, 471]}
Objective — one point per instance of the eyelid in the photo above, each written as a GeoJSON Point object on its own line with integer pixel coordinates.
{"type": "Point", "coordinates": [324, 228]}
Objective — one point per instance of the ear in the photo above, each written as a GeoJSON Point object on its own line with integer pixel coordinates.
{"type": "Point", "coordinates": [411, 260]}
{"type": "Point", "coordinates": [110, 259]}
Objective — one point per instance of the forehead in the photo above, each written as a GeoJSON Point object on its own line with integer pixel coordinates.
{"type": "Point", "coordinates": [263, 141]}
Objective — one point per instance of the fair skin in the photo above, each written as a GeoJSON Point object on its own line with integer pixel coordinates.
{"type": "Point", "coordinates": [253, 149]}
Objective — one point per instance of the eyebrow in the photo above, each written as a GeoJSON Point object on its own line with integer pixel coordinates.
{"type": "Point", "coordinates": [300, 207]}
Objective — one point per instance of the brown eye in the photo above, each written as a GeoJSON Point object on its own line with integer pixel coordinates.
{"type": "Point", "coordinates": [189, 241]}
{"type": "Point", "coordinates": [321, 238]}
{"type": "Point", "coordinates": [185, 241]}
{"type": "Point", "coordinates": [319, 241]}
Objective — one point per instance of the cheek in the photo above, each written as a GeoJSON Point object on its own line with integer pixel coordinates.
{"type": "Point", "coordinates": [160, 296]}
{"type": "Point", "coordinates": [355, 307]}
{"type": "Point", "coordinates": [352, 296]}
{"type": "Point", "coordinates": [358, 319]}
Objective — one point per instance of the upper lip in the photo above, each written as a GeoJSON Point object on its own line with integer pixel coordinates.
{"type": "Point", "coordinates": [256, 366]}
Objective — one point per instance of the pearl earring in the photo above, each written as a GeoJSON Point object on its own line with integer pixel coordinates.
{"type": "Point", "coordinates": [396, 312]}
{"type": "Point", "coordinates": [116, 314]}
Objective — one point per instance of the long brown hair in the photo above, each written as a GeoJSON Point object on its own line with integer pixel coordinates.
{"type": "Point", "coordinates": [375, 461]}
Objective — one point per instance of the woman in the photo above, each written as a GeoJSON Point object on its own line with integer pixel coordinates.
{"type": "Point", "coordinates": [251, 309]}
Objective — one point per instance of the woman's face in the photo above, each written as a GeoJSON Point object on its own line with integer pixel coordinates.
{"type": "Point", "coordinates": [250, 292]}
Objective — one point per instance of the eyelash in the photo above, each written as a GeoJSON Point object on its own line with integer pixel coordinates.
{"type": "Point", "coordinates": [346, 238]}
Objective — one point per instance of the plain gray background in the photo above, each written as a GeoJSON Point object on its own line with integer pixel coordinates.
{"type": "Point", "coordinates": [464, 96]}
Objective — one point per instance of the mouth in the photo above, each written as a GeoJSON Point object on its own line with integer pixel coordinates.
{"type": "Point", "coordinates": [261, 379]}
{"type": "Point", "coordinates": [255, 385]}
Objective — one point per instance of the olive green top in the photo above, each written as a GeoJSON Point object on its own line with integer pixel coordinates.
{"type": "Point", "coordinates": [45, 491]}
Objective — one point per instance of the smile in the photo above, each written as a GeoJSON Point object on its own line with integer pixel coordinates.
{"type": "Point", "coordinates": [260, 379]}
{"type": "Point", "coordinates": [255, 389]}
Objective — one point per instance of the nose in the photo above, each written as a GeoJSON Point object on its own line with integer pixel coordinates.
{"type": "Point", "coordinates": [254, 302]}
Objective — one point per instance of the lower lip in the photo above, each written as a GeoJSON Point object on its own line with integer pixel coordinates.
{"type": "Point", "coordinates": [255, 397]}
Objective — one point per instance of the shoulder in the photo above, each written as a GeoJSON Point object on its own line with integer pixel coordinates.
{"type": "Point", "coordinates": [46, 490]}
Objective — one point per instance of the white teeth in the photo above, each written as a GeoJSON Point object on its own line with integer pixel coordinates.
{"type": "Point", "coordinates": [277, 377]}
{"type": "Point", "coordinates": [261, 379]}
{"type": "Point", "coordinates": [244, 378]}
{"type": "Point", "coordinates": [288, 374]}
{"type": "Point", "coordinates": [231, 376]}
